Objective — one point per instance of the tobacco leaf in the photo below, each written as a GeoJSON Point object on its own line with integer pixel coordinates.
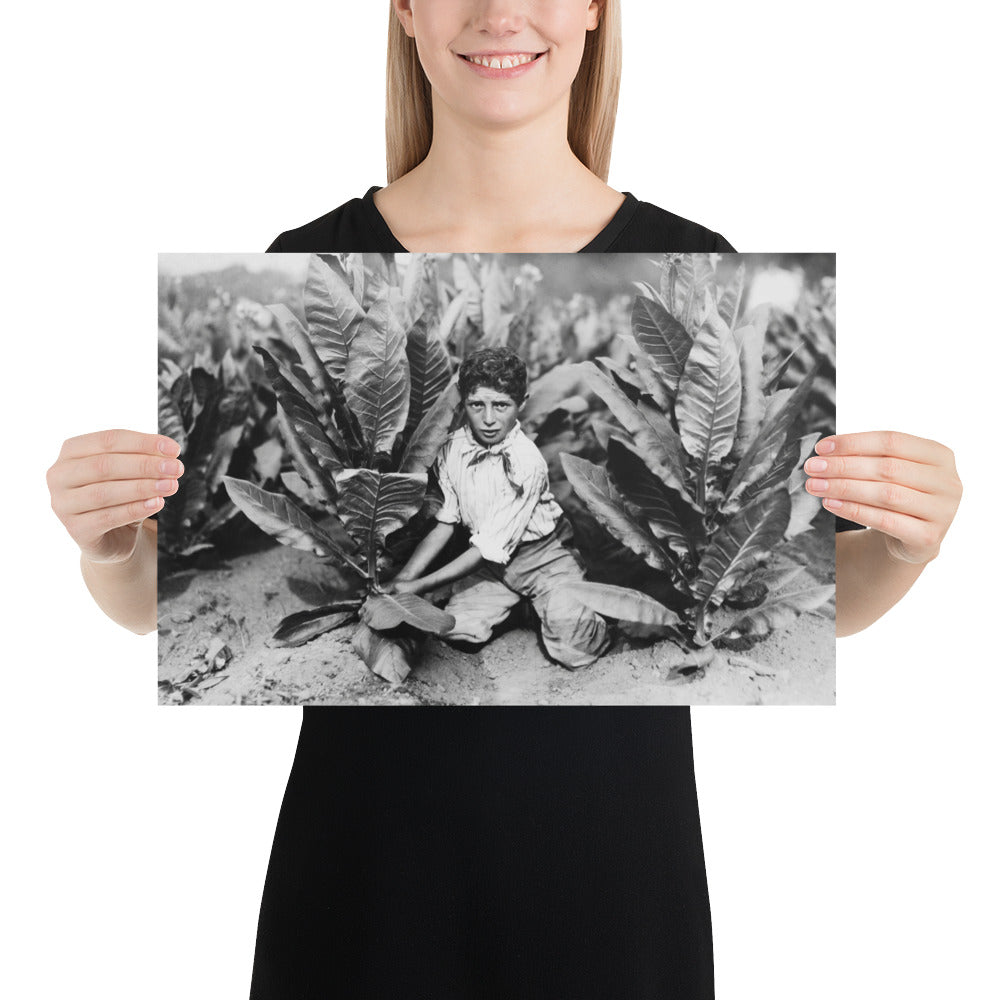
{"type": "Point", "coordinates": [662, 337]}
{"type": "Point", "coordinates": [301, 626]}
{"type": "Point", "coordinates": [332, 311]}
{"type": "Point", "coordinates": [621, 603]}
{"type": "Point", "coordinates": [593, 485]}
{"type": "Point", "coordinates": [386, 611]}
{"type": "Point", "coordinates": [377, 378]}
{"type": "Point", "coordinates": [278, 516]}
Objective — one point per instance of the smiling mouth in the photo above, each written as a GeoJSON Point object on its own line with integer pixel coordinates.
{"type": "Point", "coordinates": [503, 61]}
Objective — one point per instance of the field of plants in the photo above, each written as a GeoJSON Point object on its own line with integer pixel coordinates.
{"type": "Point", "coordinates": [674, 398]}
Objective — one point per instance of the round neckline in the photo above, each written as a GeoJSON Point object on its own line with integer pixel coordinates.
{"type": "Point", "coordinates": [598, 244]}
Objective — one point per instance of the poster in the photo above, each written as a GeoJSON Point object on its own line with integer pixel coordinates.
{"type": "Point", "coordinates": [496, 479]}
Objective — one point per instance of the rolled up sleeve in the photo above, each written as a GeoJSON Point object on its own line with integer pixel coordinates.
{"type": "Point", "coordinates": [500, 535]}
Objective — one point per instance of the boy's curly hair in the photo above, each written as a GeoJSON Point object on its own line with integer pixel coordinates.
{"type": "Point", "coordinates": [496, 368]}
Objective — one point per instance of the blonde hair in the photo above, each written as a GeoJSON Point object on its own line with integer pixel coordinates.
{"type": "Point", "coordinates": [593, 99]}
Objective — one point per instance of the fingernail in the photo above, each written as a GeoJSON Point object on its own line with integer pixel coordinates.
{"type": "Point", "coordinates": [825, 446]}
{"type": "Point", "coordinates": [830, 502]}
{"type": "Point", "coordinates": [819, 485]}
{"type": "Point", "coordinates": [169, 447]}
{"type": "Point", "coordinates": [816, 465]}
{"type": "Point", "coordinates": [151, 503]}
{"type": "Point", "coordinates": [171, 467]}
{"type": "Point", "coordinates": [163, 485]}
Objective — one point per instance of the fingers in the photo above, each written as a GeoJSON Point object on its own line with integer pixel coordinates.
{"type": "Point", "coordinates": [104, 467]}
{"type": "Point", "coordinates": [117, 440]}
{"type": "Point", "coordinates": [115, 493]}
{"type": "Point", "coordinates": [887, 443]}
{"type": "Point", "coordinates": [88, 529]}
{"type": "Point", "coordinates": [899, 472]}
{"type": "Point", "coordinates": [914, 532]}
{"type": "Point", "coordinates": [874, 495]}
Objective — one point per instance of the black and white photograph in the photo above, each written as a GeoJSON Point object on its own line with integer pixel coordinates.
{"type": "Point", "coordinates": [471, 479]}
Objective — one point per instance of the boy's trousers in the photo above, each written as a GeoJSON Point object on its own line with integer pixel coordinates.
{"type": "Point", "coordinates": [573, 634]}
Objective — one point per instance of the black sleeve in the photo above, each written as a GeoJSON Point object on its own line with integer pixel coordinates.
{"type": "Point", "coordinates": [843, 524]}
{"type": "Point", "coordinates": [276, 247]}
{"type": "Point", "coordinates": [722, 245]}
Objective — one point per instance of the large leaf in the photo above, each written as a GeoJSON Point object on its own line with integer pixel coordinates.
{"type": "Point", "coordinates": [595, 488]}
{"type": "Point", "coordinates": [320, 377]}
{"type": "Point", "coordinates": [549, 390]}
{"type": "Point", "coordinates": [377, 378]}
{"type": "Point", "coordinates": [389, 657]}
{"type": "Point", "coordinates": [304, 420]}
{"type": "Point", "coordinates": [432, 431]}
{"type": "Point", "coordinates": [621, 603]}
{"type": "Point", "coordinates": [653, 381]}
{"type": "Point", "coordinates": [305, 463]}
{"type": "Point", "coordinates": [171, 422]}
{"type": "Point", "coordinates": [708, 397]}
{"type": "Point", "coordinates": [279, 517]}
{"type": "Point", "coordinates": [729, 302]}
{"type": "Point", "coordinates": [778, 475]}
{"type": "Point", "coordinates": [751, 347]}
{"type": "Point", "coordinates": [782, 609]}
{"type": "Point", "coordinates": [662, 337]}
{"type": "Point", "coordinates": [781, 409]}
{"type": "Point", "coordinates": [656, 440]}
{"type": "Point", "coordinates": [375, 504]}
{"type": "Point", "coordinates": [648, 495]}
{"type": "Point", "coordinates": [333, 313]}
{"type": "Point", "coordinates": [301, 626]}
{"type": "Point", "coordinates": [429, 369]}
{"type": "Point", "coordinates": [739, 546]}
{"type": "Point", "coordinates": [385, 611]}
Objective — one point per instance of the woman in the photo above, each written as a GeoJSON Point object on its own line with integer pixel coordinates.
{"type": "Point", "coordinates": [471, 852]}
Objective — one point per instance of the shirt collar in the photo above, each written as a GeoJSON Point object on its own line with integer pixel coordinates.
{"type": "Point", "coordinates": [468, 443]}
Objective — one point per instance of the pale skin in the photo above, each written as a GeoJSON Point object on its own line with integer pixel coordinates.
{"type": "Point", "coordinates": [472, 192]}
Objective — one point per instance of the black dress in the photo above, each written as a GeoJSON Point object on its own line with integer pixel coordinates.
{"type": "Point", "coordinates": [489, 853]}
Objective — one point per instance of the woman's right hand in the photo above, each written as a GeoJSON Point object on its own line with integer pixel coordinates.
{"type": "Point", "coordinates": [104, 485]}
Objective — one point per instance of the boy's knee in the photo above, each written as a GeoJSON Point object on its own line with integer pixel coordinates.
{"type": "Point", "coordinates": [574, 635]}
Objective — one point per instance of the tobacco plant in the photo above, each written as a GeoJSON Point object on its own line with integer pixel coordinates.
{"type": "Point", "coordinates": [702, 480]}
{"type": "Point", "coordinates": [220, 422]}
{"type": "Point", "coordinates": [366, 400]}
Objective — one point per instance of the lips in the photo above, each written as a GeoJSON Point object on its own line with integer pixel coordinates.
{"type": "Point", "coordinates": [501, 72]}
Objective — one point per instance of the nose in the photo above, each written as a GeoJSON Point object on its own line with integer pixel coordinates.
{"type": "Point", "coordinates": [499, 17]}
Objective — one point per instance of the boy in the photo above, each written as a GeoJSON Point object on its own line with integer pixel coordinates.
{"type": "Point", "coordinates": [495, 481]}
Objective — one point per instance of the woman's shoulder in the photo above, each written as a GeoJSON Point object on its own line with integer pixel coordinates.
{"type": "Point", "coordinates": [651, 229]}
{"type": "Point", "coordinates": [350, 227]}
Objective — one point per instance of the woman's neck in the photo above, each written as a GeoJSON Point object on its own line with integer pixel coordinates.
{"type": "Point", "coordinates": [498, 189]}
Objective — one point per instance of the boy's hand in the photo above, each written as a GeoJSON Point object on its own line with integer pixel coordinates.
{"type": "Point", "coordinates": [399, 586]}
{"type": "Point", "coordinates": [101, 486]}
{"type": "Point", "coordinates": [904, 486]}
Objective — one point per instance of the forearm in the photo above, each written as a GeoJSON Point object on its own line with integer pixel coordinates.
{"type": "Point", "coordinates": [126, 592]}
{"type": "Point", "coordinates": [869, 580]}
{"type": "Point", "coordinates": [427, 551]}
{"type": "Point", "coordinates": [455, 570]}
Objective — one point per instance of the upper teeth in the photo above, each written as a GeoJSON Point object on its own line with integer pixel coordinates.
{"type": "Point", "coordinates": [496, 62]}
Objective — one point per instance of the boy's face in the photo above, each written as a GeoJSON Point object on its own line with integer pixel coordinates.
{"type": "Point", "coordinates": [491, 414]}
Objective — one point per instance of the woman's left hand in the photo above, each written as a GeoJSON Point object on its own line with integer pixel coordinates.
{"type": "Point", "coordinates": [904, 486]}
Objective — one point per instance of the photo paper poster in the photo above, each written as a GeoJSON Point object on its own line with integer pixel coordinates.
{"type": "Point", "coordinates": [496, 479]}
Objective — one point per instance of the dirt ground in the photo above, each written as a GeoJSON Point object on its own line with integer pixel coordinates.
{"type": "Point", "coordinates": [215, 624]}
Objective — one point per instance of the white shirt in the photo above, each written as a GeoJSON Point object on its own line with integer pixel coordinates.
{"type": "Point", "coordinates": [482, 495]}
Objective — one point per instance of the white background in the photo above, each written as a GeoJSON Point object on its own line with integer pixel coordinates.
{"type": "Point", "coordinates": [851, 850]}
